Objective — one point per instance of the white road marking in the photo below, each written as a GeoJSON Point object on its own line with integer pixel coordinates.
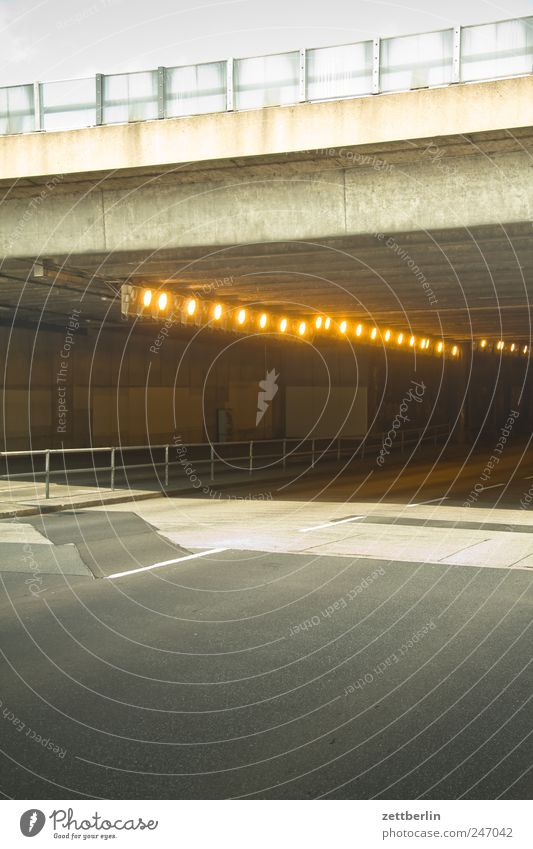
{"type": "Point", "coordinates": [431, 501]}
{"type": "Point", "coordinates": [528, 477]}
{"type": "Point", "coordinates": [166, 563]}
{"type": "Point", "coordinates": [331, 524]}
{"type": "Point", "coordinates": [492, 486]}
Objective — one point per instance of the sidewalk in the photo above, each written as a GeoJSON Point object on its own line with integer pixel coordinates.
{"type": "Point", "coordinates": [26, 498]}
{"type": "Point", "coordinates": [21, 498]}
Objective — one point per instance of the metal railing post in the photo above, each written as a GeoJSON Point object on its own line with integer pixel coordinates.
{"type": "Point", "coordinates": [251, 457]}
{"type": "Point", "coordinates": [37, 106]}
{"type": "Point", "coordinates": [166, 465]}
{"type": "Point", "coordinates": [456, 73]}
{"type": "Point", "coordinates": [375, 66]}
{"type": "Point", "coordinates": [302, 88]}
{"type": "Point", "coordinates": [230, 96]}
{"type": "Point", "coordinates": [212, 462]}
{"type": "Point", "coordinates": [99, 98]}
{"type": "Point", "coordinates": [47, 471]}
{"type": "Point", "coordinates": [112, 468]}
{"type": "Point", "coordinates": [161, 91]}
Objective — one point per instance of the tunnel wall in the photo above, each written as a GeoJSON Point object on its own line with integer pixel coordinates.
{"type": "Point", "coordinates": [115, 390]}
{"type": "Point", "coordinates": [112, 389]}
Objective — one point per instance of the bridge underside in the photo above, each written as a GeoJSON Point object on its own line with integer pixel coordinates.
{"type": "Point", "coordinates": [433, 234]}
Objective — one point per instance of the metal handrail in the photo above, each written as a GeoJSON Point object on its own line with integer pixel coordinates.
{"type": "Point", "coordinates": [352, 446]}
{"type": "Point", "coordinates": [36, 109]}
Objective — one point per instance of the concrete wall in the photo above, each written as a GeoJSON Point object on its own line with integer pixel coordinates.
{"type": "Point", "coordinates": [430, 113]}
{"type": "Point", "coordinates": [470, 191]}
{"type": "Point", "coordinates": [115, 391]}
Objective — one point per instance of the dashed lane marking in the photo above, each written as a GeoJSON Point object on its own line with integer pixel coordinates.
{"type": "Point", "coordinates": [331, 524]}
{"type": "Point", "coordinates": [166, 563]}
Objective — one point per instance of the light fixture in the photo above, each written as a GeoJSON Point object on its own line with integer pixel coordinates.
{"type": "Point", "coordinates": [500, 345]}
{"type": "Point", "coordinates": [190, 306]}
{"type": "Point", "coordinates": [524, 349]}
{"type": "Point", "coordinates": [483, 343]}
{"type": "Point", "coordinates": [513, 347]}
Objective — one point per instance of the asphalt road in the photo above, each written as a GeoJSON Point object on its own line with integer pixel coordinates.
{"type": "Point", "coordinates": [268, 675]}
{"type": "Point", "coordinates": [450, 475]}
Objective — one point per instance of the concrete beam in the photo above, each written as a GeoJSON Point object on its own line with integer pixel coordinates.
{"type": "Point", "coordinates": [425, 113]}
{"type": "Point", "coordinates": [470, 191]}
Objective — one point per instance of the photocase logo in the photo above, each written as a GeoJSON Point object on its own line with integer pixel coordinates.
{"type": "Point", "coordinates": [32, 822]}
{"type": "Point", "coordinates": [267, 390]}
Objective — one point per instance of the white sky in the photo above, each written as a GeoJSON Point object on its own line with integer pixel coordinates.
{"type": "Point", "coordinates": [55, 39]}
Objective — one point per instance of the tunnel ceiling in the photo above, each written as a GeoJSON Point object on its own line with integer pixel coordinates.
{"type": "Point", "coordinates": [481, 280]}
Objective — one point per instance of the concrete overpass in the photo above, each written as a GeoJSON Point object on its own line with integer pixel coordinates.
{"type": "Point", "coordinates": [409, 209]}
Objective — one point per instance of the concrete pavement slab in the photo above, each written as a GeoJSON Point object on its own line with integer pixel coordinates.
{"type": "Point", "coordinates": [42, 559]}
{"type": "Point", "coordinates": [21, 532]}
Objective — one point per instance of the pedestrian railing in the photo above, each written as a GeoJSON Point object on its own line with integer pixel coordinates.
{"type": "Point", "coordinates": [402, 63]}
{"type": "Point", "coordinates": [248, 457]}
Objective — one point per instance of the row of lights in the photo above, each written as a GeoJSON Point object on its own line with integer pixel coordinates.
{"type": "Point", "coordinates": [242, 317]}
{"type": "Point", "coordinates": [192, 309]}
{"type": "Point", "coordinates": [500, 345]}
